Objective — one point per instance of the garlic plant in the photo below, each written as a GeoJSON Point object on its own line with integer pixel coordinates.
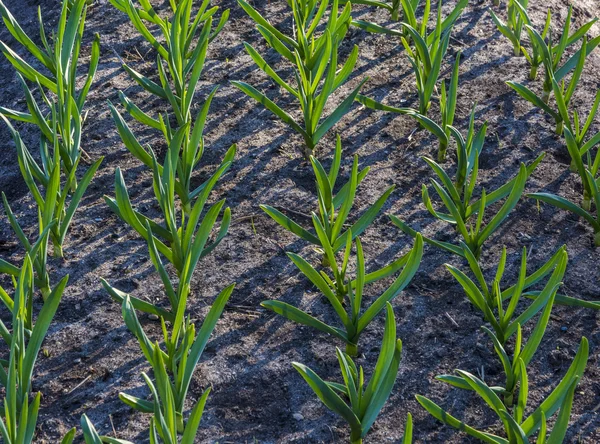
{"type": "Point", "coordinates": [457, 195]}
{"type": "Point", "coordinates": [337, 289]}
{"type": "Point", "coordinates": [588, 172]}
{"type": "Point", "coordinates": [333, 208]}
{"type": "Point", "coordinates": [61, 125]}
{"type": "Point", "coordinates": [181, 55]}
{"type": "Point", "coordinates": [517, 427]}
{"type": "Point", "coordinates": [314, 61]}
{"type": "Point", "coordinates": [508, 320]}
{"type": "Point", "coordinates": [357, 404]}
{"type": "Point", "coordinates": [425, 51]}
{"type": "Point", "coordinates": [563, 96]}
{"type": "Point", "coordinates": [173, 370]}
{"type": "Point", "coordinates": [513, 28]}
{"type": "Point", "coordinates": [19, 420]}
{"type": "Point", "coordinates": [183, 240]}
{"type": "Point", "coordinates": [444, 131]}
{"type": "Point", "coordinates": [551, 54]}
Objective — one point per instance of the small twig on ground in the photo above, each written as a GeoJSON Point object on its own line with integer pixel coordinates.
{"type": "Point", "coordinates": [79, 385]}
{"type": "Point", "coordinates": [452, 319]}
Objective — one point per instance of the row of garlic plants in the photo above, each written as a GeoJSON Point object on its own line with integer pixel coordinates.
{"type": "Point", "coordinates": [503, 307]}
{"type": "Point", "coordinates": [182, 238]}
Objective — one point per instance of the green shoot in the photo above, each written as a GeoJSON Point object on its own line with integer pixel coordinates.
{"type": "Point", "coordinates": [354, 322]}
{"type": "Point", "coordinates": [513, 28]}
{"type": "Point", "coordinates": [180, 62]}
{"type": "Point", "coordinates": [18, 425]}
{"type": "Point", "coordinates": [357, 404]}
{"type": "Point", "coordinates": [181, 240]}
{"type": "Point", "coordinates": [333, 209]}
{"type": "Point", "coordinates": [61, 126]}
{"type": "Point", "coordinates": [457, 195]}
{"type": "Point", "coordinates": [551, 54]}
{"type": "Point", "coordinates": [425, 55]}
{"type": "Point", "coordinates": [314, 61]}
{"type": "Point", "coordinates": [517, 428]}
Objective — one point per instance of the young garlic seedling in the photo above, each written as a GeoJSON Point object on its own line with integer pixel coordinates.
{"type": "Point", "coordinates": [333, 208]}
{"type": "Point", "coordinates": [180, 64]}
{"type": "Point", "coordinates": [335, 290]}
{"type": "Point", "coordinates": [60, 127]}
{"type": "Point", "coordinates": [425, 51]}
{"type": "Point", "coordinates": [513, 28]}
{"type": "Point", "coordinates": [517, 428]}
{"type": "Point", "coordinates": [315, 66]}
{"type": "Point", "coordinates": [550, 54]}
{"type": "Point", "coordinates": [457, 195]}
{"type": "Point", "coordinates": [443, 132]}
{"type": "Point", "coordinates": [363, 403]}
{"type": "Point", "coordinates": [19, 421]}
{"type": "Point", "coordinates": [506, 320]}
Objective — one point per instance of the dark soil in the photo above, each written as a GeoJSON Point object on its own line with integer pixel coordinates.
{"type": "Point", "coordinates": [91, 356]}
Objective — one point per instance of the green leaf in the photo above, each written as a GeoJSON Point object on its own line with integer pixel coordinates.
{"type": "Point", "coordinates": [290, 225]}
{"type": "Point", "coordinates": [141, 405]}
{"type": "Point", "coordinates": [327, 395]}
{"type": "Point", "coordinates": [337, 114]}
{"type": "Point", "coordinates": [294, 314]}
{"type": "Point", "coordinates": [564, 204]}
{"type": "Point", "coordinates": [269, 104]}
{"type": "Point", "coordinates": [437, 412]}
{"type": "Point", "coordinates": [138, 304]}
{"type": "Point", "coordinates": [412, 265]}
{"type": "Point", "coordinates": [366, 218]}
{"type": "Point", "coordinates": [530, 96]}
{"type": "Point", "coordinates": [201, 340]}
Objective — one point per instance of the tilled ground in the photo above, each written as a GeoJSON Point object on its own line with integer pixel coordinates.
{"type": "Point", "coordinates": [257, 395]}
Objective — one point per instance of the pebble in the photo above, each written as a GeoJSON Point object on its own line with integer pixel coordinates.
{"type": "Point", "coordinates": [563, 328]}
{"type": "Point", "coordinates": [298, 417]}
{"type": "Point", "coordinates": [77, 361]}
{"type": "Point", "coordinates": [153, 317]}
{"type": "Point", "coordinates": [524, 237]}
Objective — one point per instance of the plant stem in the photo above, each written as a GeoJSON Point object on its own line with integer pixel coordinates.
{"type": "Point", "coordinates": [352, 349]}
{"type": "Point", "coordinates": [533, 72]}
{"type": "Point", "coordinates": [597, 239]}
{"type": "Point", "coordinates": [559, 128]}
{"type": "Point", "coordinates": [180, 425]}
{"type": "Point", "coordinates": [57, 250]}
{"type": "Point", "coordinates": [496, 2]}
{"type": "Point", "coordinates": [355, 437]}
{"type": "Point", "coordinates": [572, 166]}
{"type": "Point", "coordinates": [45, 292]}
{"type": "Point", "coordinates": [545, 95]}
{"type": "Point", "coordinates": [187, 207]}
{"type": "Point", "coordinates": [308, 148]}
{"type": "Point", "coordinates": [508, 399]}
{"type": "Point", "coordinates": [442, 152]}
{"type": "Point", "coordinates": [586, 204]}
{"type": "Point", "coordinates": [517, 50]}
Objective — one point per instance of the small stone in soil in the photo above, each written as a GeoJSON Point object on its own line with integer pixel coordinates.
{"type": "Point", "coordinates": [563, 328]}
{"type": "Point", "coordinates": [153, 317]}
{"type": "Point", "coordinates": [298, 417]}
